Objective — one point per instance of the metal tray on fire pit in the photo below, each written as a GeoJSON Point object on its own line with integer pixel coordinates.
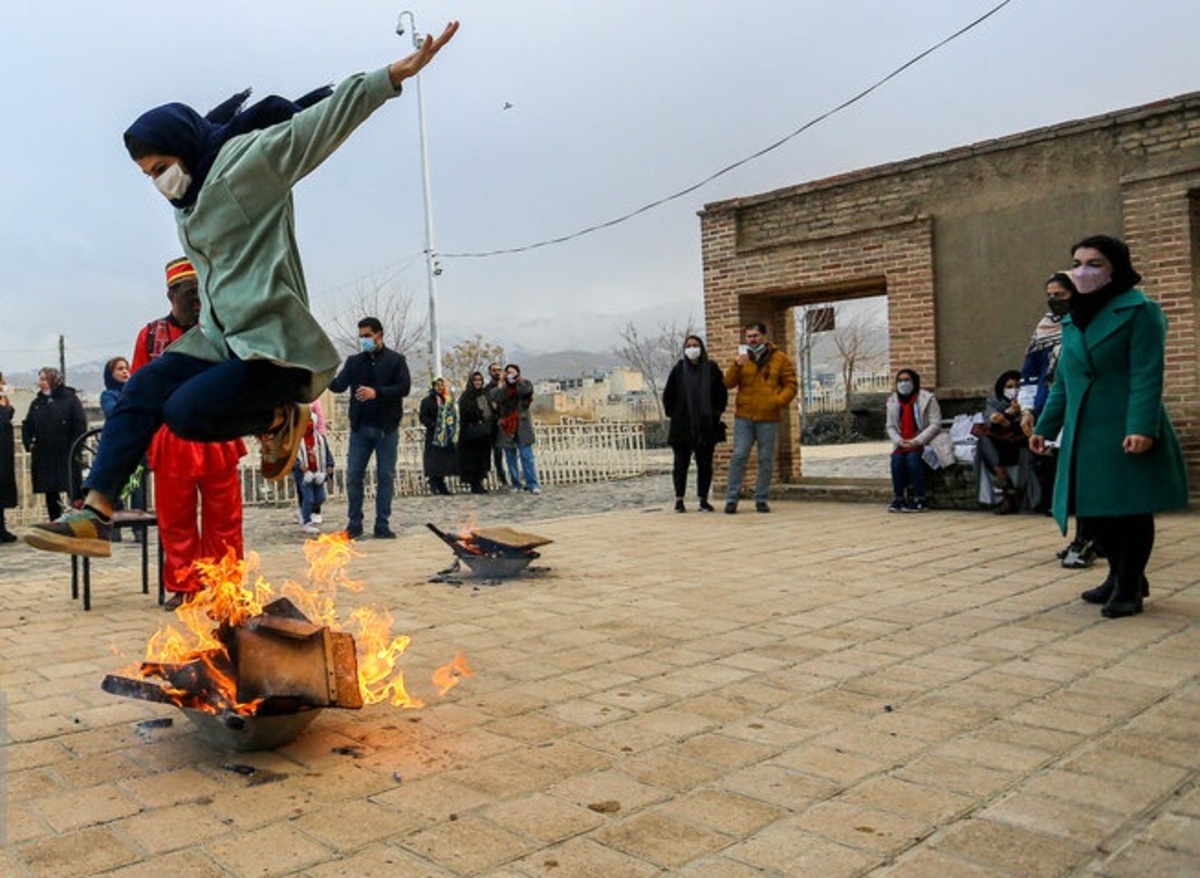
{"type": "Point", "coordinates": [495, 552]}
{"type": "Point", "coordinates": [230, 731]}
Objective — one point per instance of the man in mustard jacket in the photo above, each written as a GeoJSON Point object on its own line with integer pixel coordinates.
{"type": "Point", "coordinates": [765, 380]}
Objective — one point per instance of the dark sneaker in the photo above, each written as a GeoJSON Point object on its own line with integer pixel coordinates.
{"type": "Point", "coordinates": [352, 533]}
{"type": "Point", "coordinates": [1080, 556]}
{"type": "Point", "coordinates": [896, 506]}
{"type": "Point", "coordinates": [679, 507]}
{"type": "Point", "coordinates": [77, 532]}
{"type": "Point", "coordinates": [176, 600]}
{"type": "Point", "coordinates": [384, 533]}
{"type": "Point", "coordinates": [730, 508]}
{"type": "Point", "coordinates": [705, 506]}
{"type": "Point", "coordinates": [279, 447]}
{"type": "Point", "coordinates": [761, 506]}
{"type": "Point", "coordinates": [917, 506]}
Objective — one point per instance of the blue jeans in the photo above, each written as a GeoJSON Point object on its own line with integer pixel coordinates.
{"type": "Point", "coordinates": [528, 467]}
{"type": "Point", "coordinates": [198, 400]}
{"type": "Point", "coordinates": [745, 434]}
{"type": "Point", "coordinates": [384, 444]}
{"type": "Point", "coordinates": [908, 471]}
{"type": "Point", "coordinates": [312, 496]}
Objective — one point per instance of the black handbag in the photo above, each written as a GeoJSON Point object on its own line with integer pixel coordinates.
{"type": "Point", "coordinates": [475, 431]}
{"type": "Point", "coordinates": [722, 433]}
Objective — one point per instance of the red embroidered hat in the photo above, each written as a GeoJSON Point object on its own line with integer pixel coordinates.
{"type": "Point", "coordinates": [179, 270]}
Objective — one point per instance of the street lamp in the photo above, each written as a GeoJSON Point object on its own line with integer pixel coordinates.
{"type": "Point", "coordinates": [432, 269]}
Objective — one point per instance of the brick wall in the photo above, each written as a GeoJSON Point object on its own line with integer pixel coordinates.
{"type": "Point", "coordinates": [960, 242]}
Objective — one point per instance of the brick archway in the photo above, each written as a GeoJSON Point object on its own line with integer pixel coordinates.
{"type": "Point", "coordinates": [748, 280]}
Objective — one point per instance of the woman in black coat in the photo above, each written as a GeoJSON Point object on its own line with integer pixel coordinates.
{"type": "Point", "coordinates": [8, 462]}
{"type": "Point", "coordinates": [55, 420]}
{"type": "Point", "coordinates": [694, 399]}
{"type": "Point", "coordinates": [474, 434]}
{"type": "Point", "coordinates": [440, 420]}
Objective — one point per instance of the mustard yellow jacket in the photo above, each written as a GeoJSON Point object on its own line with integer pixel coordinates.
{"type": "Point", "coordinates": [765, 385]}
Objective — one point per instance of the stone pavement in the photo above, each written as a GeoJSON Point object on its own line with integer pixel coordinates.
{"type": "Point", "coordinates": [825, 691]}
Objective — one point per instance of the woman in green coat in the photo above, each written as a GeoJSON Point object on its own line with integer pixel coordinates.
{"type": "Point", "coordinates": [1119, 461]}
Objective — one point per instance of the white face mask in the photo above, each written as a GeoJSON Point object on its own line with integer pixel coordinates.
{"type": "Point", "coordinates": [692, 353]}
{"type": "Point", "coordinates": [173, 182]}
{"type": "Point", "coordinates": [1010, 393]}
{"type": "Point", "coordinates": [904, 388]}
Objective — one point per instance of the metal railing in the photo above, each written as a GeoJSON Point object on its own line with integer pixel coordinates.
{"type": "Point", "coordinates": [566, 454]}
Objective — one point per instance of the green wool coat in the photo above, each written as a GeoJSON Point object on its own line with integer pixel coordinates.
{"type": "Point", "coordinates": [1108, 385]}
{"type": "Point", "coordinates": [240, 235]}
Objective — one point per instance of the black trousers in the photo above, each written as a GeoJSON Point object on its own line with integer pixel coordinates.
{"type": "Point", "coordinates": [704, 468]}
{"type": "Point", "coordinates": [1127, 541]}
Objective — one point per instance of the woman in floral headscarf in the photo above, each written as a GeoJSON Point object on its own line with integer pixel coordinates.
{"type": "Point", "coordinates": [439, 416]}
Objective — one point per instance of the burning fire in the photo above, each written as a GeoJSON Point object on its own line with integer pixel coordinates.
{"type": "Point", "coordinates": [193, 656]}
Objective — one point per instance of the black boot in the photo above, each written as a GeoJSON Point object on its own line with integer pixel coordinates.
{"type": "Point", "coordinates": [1102, 593]}
{"type": "Point", "coordinates": [1125, 601]}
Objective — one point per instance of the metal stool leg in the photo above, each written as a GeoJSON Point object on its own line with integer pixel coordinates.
{"type": "Point", "coordinates": [74, 577]}
{"type": "Point", "coordinates": [87, 582]}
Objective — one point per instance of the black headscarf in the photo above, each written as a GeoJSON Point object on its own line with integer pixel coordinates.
{"type": "Point", "coordinates": [177, 130]}
{"type": "Point", "coordinates": [1086, 306]}
{"type": "Point", "coordinates": [697, 388]}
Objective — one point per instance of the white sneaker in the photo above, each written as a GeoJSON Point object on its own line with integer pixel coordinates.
{"type": "Point", "coordinates": [315, 518]}
{"type": "Point", "coordinates": [310, 530]}
{"type": "Point", "coordinates": [299, 516]}
{"type": "Point", "coordinates": [535, 490]}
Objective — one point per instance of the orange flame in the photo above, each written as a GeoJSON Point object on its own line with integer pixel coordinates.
{"type": "Point", "coordinates": [228, 600]}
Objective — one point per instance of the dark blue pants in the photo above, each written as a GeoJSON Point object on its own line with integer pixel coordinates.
{"type": "Point", "coordinates": [198, 400]}
{"type": "Point", "coordinates": [908, 471]}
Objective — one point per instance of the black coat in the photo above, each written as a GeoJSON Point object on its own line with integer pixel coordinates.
{"type": "Point", "coordinates": [8, 461]}
{"type": "Point", "coordinates": [675, 404]}
{"type": "Point", "coordinates": [385, 371]}
{"type": "Point", "coordinates": [53, 423]}
{"type": "Point", "coordinates": [474, 435]}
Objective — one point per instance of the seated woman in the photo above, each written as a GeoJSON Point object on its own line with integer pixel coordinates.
{"type": "Point", "coordinates": [914, 424]}
{"type": "Point", "coordinates": [1002, 466]}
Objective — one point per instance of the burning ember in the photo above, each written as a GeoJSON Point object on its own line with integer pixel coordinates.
{"type": "Point", "coordinates": [495, 552]}
{"type": "Point", "coordinates": [241, 650]}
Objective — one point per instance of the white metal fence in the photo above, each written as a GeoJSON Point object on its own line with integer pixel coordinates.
{"type": "Point", "coordinates": [566, 454]}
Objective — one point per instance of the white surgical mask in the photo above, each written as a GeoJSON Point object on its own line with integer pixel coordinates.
{"type": "Point", "coordinates": [692, 352]}
{"type": "Point", "coordinates": [904, 388]}
{"type": "Point", "coordinates": [1089, 278]}
{"type": "Point", "coordinates": [173, 182]}
{"type": "Point", "coordinates": [512, 379]}
{"type": "Point", "coordinates": [756, 349]}
{"type": "Point", "coordinates": [1010, 393]}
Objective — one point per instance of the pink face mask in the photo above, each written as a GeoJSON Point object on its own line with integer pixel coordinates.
{"type": "Point", "coordinates": [1089, 278]}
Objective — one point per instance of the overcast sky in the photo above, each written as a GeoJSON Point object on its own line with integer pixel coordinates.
{"type": "Point", "coordinates": [613, 105]}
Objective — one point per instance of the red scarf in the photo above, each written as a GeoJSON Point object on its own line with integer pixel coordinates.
{"type": "Point", "coordinates": [511, 419]}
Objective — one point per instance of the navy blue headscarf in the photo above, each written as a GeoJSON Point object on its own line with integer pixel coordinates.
{"type": "Point", "coordinates": [176, 129]}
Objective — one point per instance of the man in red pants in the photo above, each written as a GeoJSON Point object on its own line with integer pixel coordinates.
{"type": "Point", "coordinates": [185, 471]}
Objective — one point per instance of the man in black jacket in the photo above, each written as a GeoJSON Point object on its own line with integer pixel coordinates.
{"type": "Point", "coordinates": [378, 380]}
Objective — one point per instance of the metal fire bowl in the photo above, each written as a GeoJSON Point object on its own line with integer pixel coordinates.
{"type": "Point", "coordinates": [497, 567]}
{"type": "Point", "coordinates": [232, 732]}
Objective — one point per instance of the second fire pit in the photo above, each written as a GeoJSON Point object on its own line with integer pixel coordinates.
{"type": "Point", "coordinates": [494, 552]}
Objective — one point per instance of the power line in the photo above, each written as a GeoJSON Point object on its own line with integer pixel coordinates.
{"type": "Point", "coordinates": [731, 167]}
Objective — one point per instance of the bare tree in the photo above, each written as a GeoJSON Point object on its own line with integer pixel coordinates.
{"type": "Point", "coordinates": [653, 354]}
{"type": "Point", "coordinates": [861, 342]}
{"type": "Point", "coordinates": [470, 355]}
{"type": "Point", "coordinates": [393, 305]}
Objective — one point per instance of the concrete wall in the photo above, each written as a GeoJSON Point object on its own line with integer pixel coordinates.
{"type": "Point", "coordinates": [962, 241]}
